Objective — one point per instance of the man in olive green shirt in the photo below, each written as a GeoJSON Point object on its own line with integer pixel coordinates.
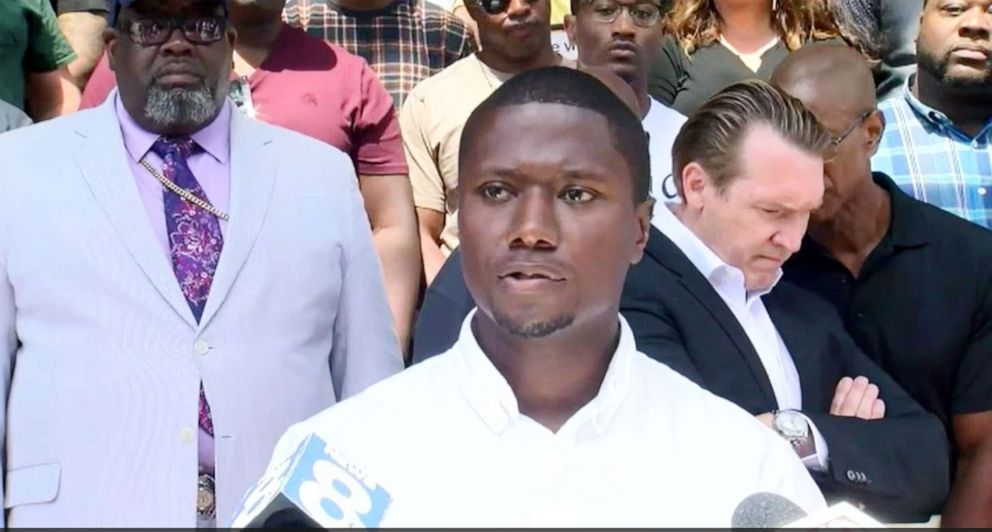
{"type": "Point", "coordinates": [33, 55]}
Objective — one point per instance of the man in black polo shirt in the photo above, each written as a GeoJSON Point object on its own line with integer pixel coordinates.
{"type": "Point", "coordinates": [912, 283]}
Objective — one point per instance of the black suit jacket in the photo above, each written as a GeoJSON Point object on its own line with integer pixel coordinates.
{"type": "Point", "coordinates": [898, 467]}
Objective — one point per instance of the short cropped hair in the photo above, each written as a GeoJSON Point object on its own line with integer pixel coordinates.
{"type": "Point", "coordinates": [712, 136]}
{"type": "Point", "coordinates": [567, 86]}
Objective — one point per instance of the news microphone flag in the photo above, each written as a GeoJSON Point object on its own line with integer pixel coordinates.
{"type": "Point", "coordinates": [315, 486]}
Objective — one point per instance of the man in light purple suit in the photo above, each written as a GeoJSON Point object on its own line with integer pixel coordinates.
{"type": "Point", "coordinates": [176, 290]}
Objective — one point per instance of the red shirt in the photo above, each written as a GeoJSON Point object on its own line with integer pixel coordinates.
{"type": "Point", "coordinates": [313, 87]}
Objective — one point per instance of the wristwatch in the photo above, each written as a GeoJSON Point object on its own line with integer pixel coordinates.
{"type": "Point", "coordinates": [791, 425]}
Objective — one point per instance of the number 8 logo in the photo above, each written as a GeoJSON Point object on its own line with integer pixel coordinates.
{"type": "Point", "coordinates": [334, 497]}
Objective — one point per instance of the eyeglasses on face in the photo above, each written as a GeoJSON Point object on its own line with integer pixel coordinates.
{"type": "Point", "coordinates": [643, 14]}
{"type": "Point", "coordinates": [156, 31]}
{"type": "Point", "coordinates": [835, 142]}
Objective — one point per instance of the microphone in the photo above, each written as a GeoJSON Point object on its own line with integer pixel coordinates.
{"type": "Point", "coordinates": [315, 487]}
{"type": "Point", "coordinates": [765, 510]}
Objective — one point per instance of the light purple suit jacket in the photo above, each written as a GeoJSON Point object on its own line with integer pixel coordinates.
{"type": "Point", "coordinates": [101, 358]}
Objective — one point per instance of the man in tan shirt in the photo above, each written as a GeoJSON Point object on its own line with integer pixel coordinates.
{"type": "Point", "coordinates": [515, 36]}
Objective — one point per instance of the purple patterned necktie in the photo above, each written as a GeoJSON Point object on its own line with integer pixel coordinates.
{"type": "Point", "coordinates": [195, 240]}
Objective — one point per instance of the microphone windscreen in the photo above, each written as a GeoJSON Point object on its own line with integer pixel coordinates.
{"type": "Point", "coordinates": [765, 510]}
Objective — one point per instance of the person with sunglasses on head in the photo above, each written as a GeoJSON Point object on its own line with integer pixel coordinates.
{"type": "Point", "coordinates": [176, 289]}
{"type": "Point", "coordinates": [910, 281]}
{"type": "Point", "coordinates": [515, 37]}
{"type": "Point", "coordinates": [289, 78]}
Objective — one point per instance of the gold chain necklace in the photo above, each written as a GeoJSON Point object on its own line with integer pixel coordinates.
{"type": "Point", "coordinates": [183, 193]}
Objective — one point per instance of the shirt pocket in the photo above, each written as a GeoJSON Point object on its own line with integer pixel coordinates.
{"type": "Point", "coordinates": [33, 484]}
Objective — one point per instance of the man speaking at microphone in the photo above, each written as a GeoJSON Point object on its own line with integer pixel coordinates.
{"type": "Point", "coordinates": [544, 412]}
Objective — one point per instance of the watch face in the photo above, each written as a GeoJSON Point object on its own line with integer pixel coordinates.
{"type": "Point", "coordinates": [791, 424]}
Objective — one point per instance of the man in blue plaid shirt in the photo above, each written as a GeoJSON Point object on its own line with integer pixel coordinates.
{"type": "Point", "coordinates": [937, 143]}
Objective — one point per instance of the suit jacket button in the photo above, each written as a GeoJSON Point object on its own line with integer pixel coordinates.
{"type": "Point", "coordinates": [201, 347]}
{"type": "Point", "coordinates": [852, 476]}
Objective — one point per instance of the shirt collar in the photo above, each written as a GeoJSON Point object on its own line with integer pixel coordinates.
{"type": "Point", "coordinates": [936, 120]}
{"type": "Point", "coordinates": [487, 391]}
{"type": "Point", "coordinates": [215, 138]}
{"type": "Point", "coordinates": [721, 275]}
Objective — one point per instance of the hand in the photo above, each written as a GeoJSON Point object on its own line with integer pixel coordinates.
{"type": "Point", "coordinates": [857, 398]}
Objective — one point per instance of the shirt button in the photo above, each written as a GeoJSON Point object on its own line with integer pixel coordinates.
{"type": "Point", "coordinates": [187, 435]}
{"type": "Point", "coordinates": [201, 347]}
{"type": "Point", "coordinates": [982, 191]}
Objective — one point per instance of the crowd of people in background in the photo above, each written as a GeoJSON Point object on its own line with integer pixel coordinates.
{"type": "Point", "coordinates": [223, 217]}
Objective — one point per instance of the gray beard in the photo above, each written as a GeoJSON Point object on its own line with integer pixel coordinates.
{"type": "Point", "coordinates": [189, 108]}
{"type": "Point", "coordinates": [533, 331]}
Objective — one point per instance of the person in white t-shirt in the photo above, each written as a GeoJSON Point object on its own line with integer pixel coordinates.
{"type": "Point", "coordinates": [624, 36]}
{"type": "Point", "coordinates": [544, 412]}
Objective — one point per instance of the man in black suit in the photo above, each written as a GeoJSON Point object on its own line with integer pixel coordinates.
{"type": "Point", "coordinates": [707, 301]}
{"type": "Point", "coordinates": [910, 281]}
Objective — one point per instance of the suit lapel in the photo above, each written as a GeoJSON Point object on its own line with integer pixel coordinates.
{"type": "Point", "coordinates": [252, 178]}
{"type": "Point", "coordinates": [670, 256]}
{"type": "Point", "coordinates": [102, 160]}
{"type": "Point", "coordinates": [804, 347]}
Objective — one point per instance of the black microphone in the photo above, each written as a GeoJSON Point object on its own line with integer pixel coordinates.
{"type": "Point", "coordinates": [765, 510]}
{"type": "Point", "coordinates": [315, 487]}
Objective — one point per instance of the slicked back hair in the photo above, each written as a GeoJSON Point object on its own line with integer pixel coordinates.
{"type": "Point", "coordinates": [567, 86]}
{"type": "Point", "coordinates": [712, 136]}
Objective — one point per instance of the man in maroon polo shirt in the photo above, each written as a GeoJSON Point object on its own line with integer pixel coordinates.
{"type": "Point", "coordinates": [288, 78]}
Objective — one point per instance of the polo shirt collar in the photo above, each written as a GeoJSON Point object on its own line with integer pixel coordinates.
{"type": "Point", "coordinates": [907, 227]}
{"type": "Point", "coordinates": [936, 120]}
{"type": "Point", "coordinates": [490, 395]}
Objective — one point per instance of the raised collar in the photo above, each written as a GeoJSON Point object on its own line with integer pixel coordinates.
{"type": "Point", "coordinates": [490, 395]}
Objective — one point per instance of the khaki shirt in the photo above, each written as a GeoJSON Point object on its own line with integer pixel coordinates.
{"type": "Point", "coordinates": [431, 122]}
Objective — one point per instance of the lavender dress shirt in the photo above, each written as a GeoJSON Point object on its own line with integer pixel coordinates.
{"type": "Point", "coordinates": [212, 170]}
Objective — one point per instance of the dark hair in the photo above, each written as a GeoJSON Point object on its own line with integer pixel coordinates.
{"type": "Point", "coordinates": [567, 86]}
{"type": "Point", "coordinates": [713, 134]}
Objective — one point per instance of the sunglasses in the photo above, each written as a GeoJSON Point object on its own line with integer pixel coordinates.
{"type": "Point", "coordinates": [493, 7]}
{"type": "Point", "coordinates": [157, 31]}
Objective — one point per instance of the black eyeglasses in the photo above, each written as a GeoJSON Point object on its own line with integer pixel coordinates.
{"type": "Point", "coordinates": [835, 142]}
{"type": "Point", "coordinates": [643, 14]}
{"type": "Point", "coordinates": [156, 31]}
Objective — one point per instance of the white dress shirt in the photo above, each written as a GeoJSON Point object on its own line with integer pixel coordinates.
{"type": "Point", "coordinates": [662, 123]}
{"type": "Point", "coordinates": [750, 312]}
{"type": "Point", "coordinates": [447, 441]}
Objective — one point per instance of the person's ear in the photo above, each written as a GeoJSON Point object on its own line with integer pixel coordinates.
{"type": "Point", "coordinates": [644, 211]}
{"type": "Point", "coordinates": [110, 39]}
{"type": "Point", "coordinates": [570, 28]}
{"type": "Point", "coordinates": [694, 183]}
{"type": "Point", "coordinates": [875, 124]}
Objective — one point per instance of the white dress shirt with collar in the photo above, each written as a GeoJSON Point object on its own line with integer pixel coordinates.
{"type": "Point", "coordinates": [750, 312]}
{"type": "Point", "coordinates": [447, 441]}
